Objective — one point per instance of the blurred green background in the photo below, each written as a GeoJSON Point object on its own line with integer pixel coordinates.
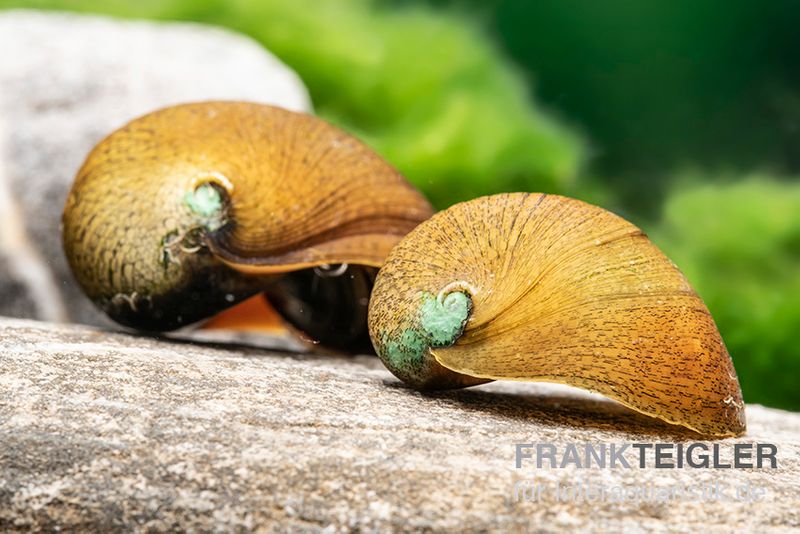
{"type": "Point", "coordinates": [681, 116]}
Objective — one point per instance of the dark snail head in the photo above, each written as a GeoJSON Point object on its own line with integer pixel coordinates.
{"type": "Point", "coordinates": [190, 209]}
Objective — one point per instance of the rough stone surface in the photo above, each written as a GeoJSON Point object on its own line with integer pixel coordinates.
{"type": "Point", "coordinates": [102, 430]}
{"type": "Point", "coordinates": [66, 81]}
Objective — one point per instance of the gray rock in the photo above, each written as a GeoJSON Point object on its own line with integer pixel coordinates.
{"type": "Point", "coordinates": [107, 431]}
{"type": "Point", "coordinates": [15, 299]}
{"type": "Point", "coordinates": [69, 80]}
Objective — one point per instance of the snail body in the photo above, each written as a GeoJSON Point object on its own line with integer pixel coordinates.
{"type": "Point", "coordinates": [194, 208]}
{"type": "Point", "coordinates": [537, 287]}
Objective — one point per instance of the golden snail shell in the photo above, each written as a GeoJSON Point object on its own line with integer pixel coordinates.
{"type": "Point", "coordinates": [190, 209]}
{"type": "Point", "coordinates": [545, 288]}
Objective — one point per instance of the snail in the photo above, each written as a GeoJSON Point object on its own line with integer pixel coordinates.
{"type": "Point", "coordinates": [191, 209]}
{"type": "Point", "coordinates": [537, 287]}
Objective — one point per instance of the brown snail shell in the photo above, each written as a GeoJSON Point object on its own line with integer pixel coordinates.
{"type": "Point", "coordinates": [188, 210]}
{"type": "Point", "coordinates": [539, 287]}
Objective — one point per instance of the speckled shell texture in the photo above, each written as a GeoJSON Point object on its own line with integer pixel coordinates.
{"type": "Point", "coordinates": [298, 193]}
{"type": "Point", "coordinates": [564, 291]}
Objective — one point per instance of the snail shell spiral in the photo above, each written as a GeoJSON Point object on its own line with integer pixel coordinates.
{"type": "Point", "coordinates": [539, 287]}
{"type": "Point", "coordinates": [191, 209]}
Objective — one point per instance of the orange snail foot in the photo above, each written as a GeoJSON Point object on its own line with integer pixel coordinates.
{"type": "Point", "coordinates": [254, 315]}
